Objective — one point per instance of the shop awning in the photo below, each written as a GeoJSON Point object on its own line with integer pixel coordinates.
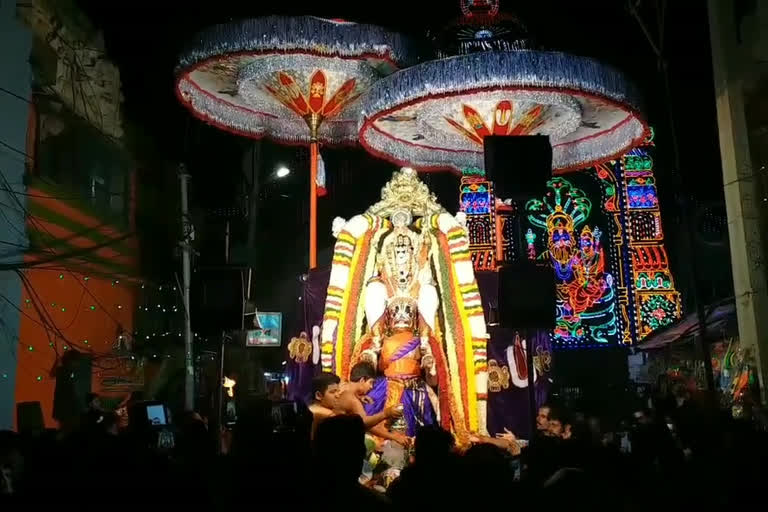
{"type": "Point", "coordinates": [716, 316]}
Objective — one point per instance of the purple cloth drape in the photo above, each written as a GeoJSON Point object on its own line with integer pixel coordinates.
{"type": "Point", "coordinates": [313, 299]}
{"type": "Point", "coordinates": [508, 407]}
{"type": "Point", "coordinates": [417, 409]}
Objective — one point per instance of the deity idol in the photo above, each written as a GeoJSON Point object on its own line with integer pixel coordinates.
{"type": "Point", "coordinates": [403, 296]}
{"type": "Point", "coordinates": [400, 307]}
{"type": "Point", "coordinates": [583, 285]}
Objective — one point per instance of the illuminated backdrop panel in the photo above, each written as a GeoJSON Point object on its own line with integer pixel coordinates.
{"type": "Point", "coordinates": [601, 231]}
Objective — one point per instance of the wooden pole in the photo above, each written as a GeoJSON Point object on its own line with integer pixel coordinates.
{"type": "Point", "coordinates": [313, 121]}
{"type": "Point", "coordinates": [313, 205]}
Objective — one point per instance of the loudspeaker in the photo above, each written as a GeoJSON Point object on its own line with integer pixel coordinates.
{"type": "Point", "coordinates": [527, 296]}
{"type": "Point", "coordinates": [518, 166]}
{"type": "Point", "coordinates": [73, 384]}
{"type": "Point", "coordinates": [217, 299]}
{"type": "Point", "coordinates": [29, 417]}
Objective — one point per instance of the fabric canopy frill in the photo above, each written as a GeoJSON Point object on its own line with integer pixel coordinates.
{"type": "Point", "coordinates": [434, 116]}
{"type": "Point", "coordinates": [270, 76]}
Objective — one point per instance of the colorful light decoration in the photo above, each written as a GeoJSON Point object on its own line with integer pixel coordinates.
{"type": "Point", "coordinates": [658, 310]}
{"type": "Point", "coordinates": [641, 296]}
{"type": "Point", "coordinates": [477, 201]}
{"type": "Point", "coordinates": [646, 288]}
{"type": "Point", "coordinates": [585, 302]}
{"type": "Point", "coordinates": [530, 239]}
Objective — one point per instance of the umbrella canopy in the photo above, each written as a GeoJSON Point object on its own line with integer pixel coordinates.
{"type": "Point", "coordinates": [282, 77]}
{"type": "Point", "coordinates": [435, 115]}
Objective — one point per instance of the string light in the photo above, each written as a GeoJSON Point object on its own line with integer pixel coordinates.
{"type": "Point", "coordinates": [161, 307]}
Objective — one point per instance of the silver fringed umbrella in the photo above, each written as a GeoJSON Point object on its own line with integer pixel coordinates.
{"type": "Point", "coordinates": [293, 79]}
{"type": "Point", "coordinates": [435, 115]}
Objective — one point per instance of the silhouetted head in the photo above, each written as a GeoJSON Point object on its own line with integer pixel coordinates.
{"type": "Point", "coordinates": [556, 422]}
{"type": "Point", "coordinates": [340, 448]}
{"type": "Point", "coordinates": [433, 443]}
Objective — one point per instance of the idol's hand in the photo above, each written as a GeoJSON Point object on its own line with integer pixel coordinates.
{"type": "Point", "coordinates": [366, 400]}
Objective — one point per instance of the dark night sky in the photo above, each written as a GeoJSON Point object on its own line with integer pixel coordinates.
{"type": "Point", "coordinates": [143, 38]}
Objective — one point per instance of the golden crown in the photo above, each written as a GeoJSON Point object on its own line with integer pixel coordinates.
{"type": "Point", "coordinates": [559, 220]}
{"type": "Point", "coordinates": [406, 192]}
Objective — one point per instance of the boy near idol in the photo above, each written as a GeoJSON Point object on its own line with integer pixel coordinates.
{"type": "Point", "coordinates": [353, 394]}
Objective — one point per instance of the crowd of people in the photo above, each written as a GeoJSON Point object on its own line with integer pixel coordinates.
{"type": "Point", "coordinates": [670, 451]}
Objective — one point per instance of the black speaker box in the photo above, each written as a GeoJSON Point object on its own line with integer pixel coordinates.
{"type": "Point", "coordinates": [527, 296]}
{"type": "Point", "coordinates": [217, 299]}
{"type": "Point", "coordinates": [518, 166]}
{"type": "Point", "coordinates": [73, 383]}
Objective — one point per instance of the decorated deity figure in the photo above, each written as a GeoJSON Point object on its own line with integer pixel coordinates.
{"type": "Point", "coordinates": [403, 296]}
{"type": "Point", "coordinates": [400, 307]}
{"type": "Point", "coordinates": [589, 278]}
{"type": "Point", "coordinates": [578, 260]}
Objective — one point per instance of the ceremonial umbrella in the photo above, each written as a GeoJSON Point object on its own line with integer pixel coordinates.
{"type": "Point", "coordinates": [293, 79]}
{"type": "Point", "coordinates": [435, 115]}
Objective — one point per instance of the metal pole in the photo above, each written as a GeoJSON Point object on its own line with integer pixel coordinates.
{"type": "Point", "coordinates": [219, 397]}
{"type": "Point", "coordinates": [532, 409]}
{"type": "Point", "coordinates": [189, 373]}
{"type": "Point", "coordinates": [226, 243]}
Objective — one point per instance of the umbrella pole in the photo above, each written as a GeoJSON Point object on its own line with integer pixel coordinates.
{"type": "Point", "coordinates": [313, 206]}
{"type": "Point", "coordinates": [313, 122]}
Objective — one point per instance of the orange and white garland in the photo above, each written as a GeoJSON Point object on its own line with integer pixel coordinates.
{"type": "Point", "coordinates": [463, 333]}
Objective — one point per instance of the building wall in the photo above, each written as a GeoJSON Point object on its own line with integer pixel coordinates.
{"type": "Point", "coordinates": [79, 287]}
{"type": "Point", "coordinates": [65, 310]}
{"type": "Point", "coordinates": [15, 44]}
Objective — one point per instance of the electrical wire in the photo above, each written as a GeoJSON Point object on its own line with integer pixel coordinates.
{"type": "Point", "coordinates": [17, 96]}
{"type": "Point", "coordinates": [20, 152]}
{"type": "Point", "coordinates": [32, 292]}
{"type": "Point", "coordinates": [55, 256]}
{"type": "Point", "coordinates": [48, 324]}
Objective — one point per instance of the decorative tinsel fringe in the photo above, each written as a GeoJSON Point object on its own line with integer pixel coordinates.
{"type": "Point", "coordinates": [308, 33]}
{"type": "Point", "coordinates": [498, 69]}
